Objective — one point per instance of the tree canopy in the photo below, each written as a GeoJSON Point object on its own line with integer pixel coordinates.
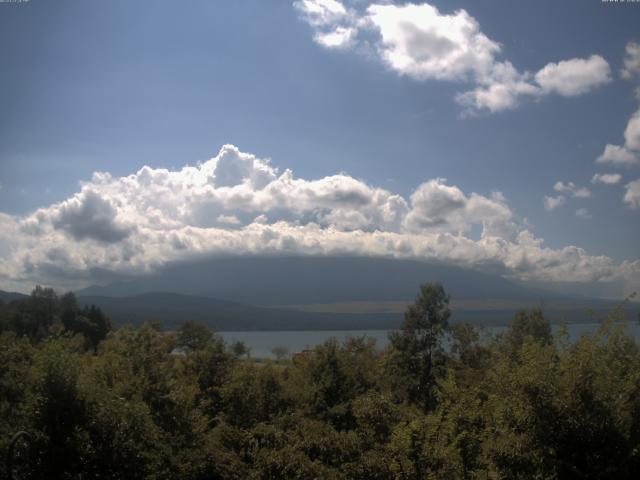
{"type": "Point", "coordinates": [442, 400]}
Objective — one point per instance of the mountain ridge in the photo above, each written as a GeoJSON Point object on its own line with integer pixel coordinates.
{"type": "Point", "coordinates": [301, 280]}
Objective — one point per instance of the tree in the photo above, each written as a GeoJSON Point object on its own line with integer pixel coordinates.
{"type": "Point", "coordinates": [58, 412]}
{"type": "Point", "coordinates": [68, 310]}
{"type": "Point", "coordinates": [239, 348]}
{"type": "Point", "coordinates": [194, 336]}
{"type": "Point", "coordinates": [468, 353]}
{"type": "Point", "coordinates": [100, 325]}
{"type": "Point", "coordinates": [33, 316]}
{"type": "Point", "coordinates": [44, 305]}
{"type": "Point", "coordinates": [280, 352]}
{"type": "Point", "coordinates": [4, 320]}
{"type": "Point", "coordinates": [416, 350]}
{"type": "Point", "coordinates": [527, 325]}
{"type": "Point", "coordinates": [89, 321]}
{"type": "Point", "coordinates": [252, 394]}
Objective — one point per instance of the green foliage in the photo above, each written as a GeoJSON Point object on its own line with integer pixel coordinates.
{"type": "Point", "coordinates": [416, 352]}
{"type": "Point", "coordinates": [332, 376]}
{"type": "Point", "coordinates": [36, 316]}
{"type": "Point", "coordinates": [280, 352]}
{"type": "Point", "coordinates": [240, 349]}
{"type": "Point", "coordinates": [253, 394]}
{"type": "Point", "coordinates": [194, 336]}
{"type": "Point", "coordinates": [527, 325]}
{"type": "Point", "coordinates": [147, 404]}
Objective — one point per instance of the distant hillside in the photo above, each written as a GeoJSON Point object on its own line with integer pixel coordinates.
{"type": "Point", "coordinates": [306, 293]}
{"type": "Point", "coordinates": [173, 309]}
{"type": "Point", "coordinates": [309, 280]}
{"type": "Point", "coordinates": [318, 293]}
{"type": "Point", "coordinates": [9, 296]}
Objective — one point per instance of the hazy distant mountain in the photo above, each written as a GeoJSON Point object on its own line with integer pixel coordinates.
{"type": "Point", "coordinates": [9, 296]}
{"type": "Point", "coordinates": [306, 293]}
{"type": "Point", "coordinates": [232, 293]}
{"type": "Point", "coordinates": [301, 280]}
{"type": "Point", "coordinates": [173, 309]}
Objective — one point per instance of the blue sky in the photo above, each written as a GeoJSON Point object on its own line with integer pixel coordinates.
{"type": "Point", "coordinates": [115, 85]}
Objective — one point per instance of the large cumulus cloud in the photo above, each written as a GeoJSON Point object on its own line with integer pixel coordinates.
{"type": "Point", "coordinates": [237, 203]}
{"type": "Point", "coordinates": [89, 216]}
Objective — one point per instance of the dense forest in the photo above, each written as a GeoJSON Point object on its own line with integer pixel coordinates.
{"type": "Point", "coordinates": [443, 400]}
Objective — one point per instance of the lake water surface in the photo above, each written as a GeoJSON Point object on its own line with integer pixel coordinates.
{"type": "Point", "coordinates": [261, 343]}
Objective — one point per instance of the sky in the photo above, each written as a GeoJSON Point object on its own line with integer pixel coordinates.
{"type": "Point", "coordinates": [497, 135]}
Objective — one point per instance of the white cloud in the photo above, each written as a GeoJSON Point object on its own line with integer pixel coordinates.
{"type": "Point", "coordinates": [438, 207]}
{"type": "Point", "coordinates": [419, 41]}
{"type": "Point", "coordinates": [632, 194]}
{"type": "Point", "coordinates": [583, 213]}
{"type": "Point", "coordinates": [617, 155]}
{"type": "Point", "coordinates": [627, 154]}
{"type": "Point", "coordinates": [236, 203]}
{"type": "Point", "coordinates": [607, 178]}
{"type": "Point", "coordinates": [574, 77]}
{"type": "Point", "coordinates": [228, 220]}
{"type": "Point", "coordinates": [433, 202]}
{"type": "Point", "coordinates": [500, 89]}
{"type": "Point", "coordinates": [337, 38]}
{"type": "Point", "coordinates": [503, 86]}
{"type": "Point", "coordinates": [234, 167]}
{"type": "Point", "coordinates": [564, 187]}
{"type": "Point", "coordinates": [631, 61]}
{"type": "Point", "coordinates": [582, 192]}
{"type": "Point", "coordinates": [331, 21]}
{"type": "Point", "coordinates": [632, 132]}
{"type": "Point", "coordinates": [320, 13]}
{"type": "Point", "coordinates": [423, 43]}
{"type": "Point", "coordinates": [551, 203]}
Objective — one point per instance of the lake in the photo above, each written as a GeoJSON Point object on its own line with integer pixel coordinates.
{"type": "Point", "coordinates": [261, 342]}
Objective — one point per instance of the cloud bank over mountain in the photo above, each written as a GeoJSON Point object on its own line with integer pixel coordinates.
{"type": "Point", "coordinates": [422, 43]}
{"type": "Point", "coordinates": [239, 204]}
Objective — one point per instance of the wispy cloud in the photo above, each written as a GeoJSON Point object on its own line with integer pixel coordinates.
{"type": "Point", "coordinates": [565, 189]}
{"type": "Point", "coordinates": [583, 213]}
{"type": "Point", "coordinates": [562, 187]}
{"type": "Point", "coordinates": [551, 203]}
{"type": "Point", "coordinates": [625, 155]}
{"type": "Point", "coordinates": [631, 66]}
{"type": "Point", "coordinates": [607, 178]}
{"type": "Point", "coordinates": [617, 155]}
{"type": "Point", "coordinates": [420, 42]}
{"type": "Point", "coordinates": [582, 192]}
{"type": "Point", "coordinates": [632, 194]}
